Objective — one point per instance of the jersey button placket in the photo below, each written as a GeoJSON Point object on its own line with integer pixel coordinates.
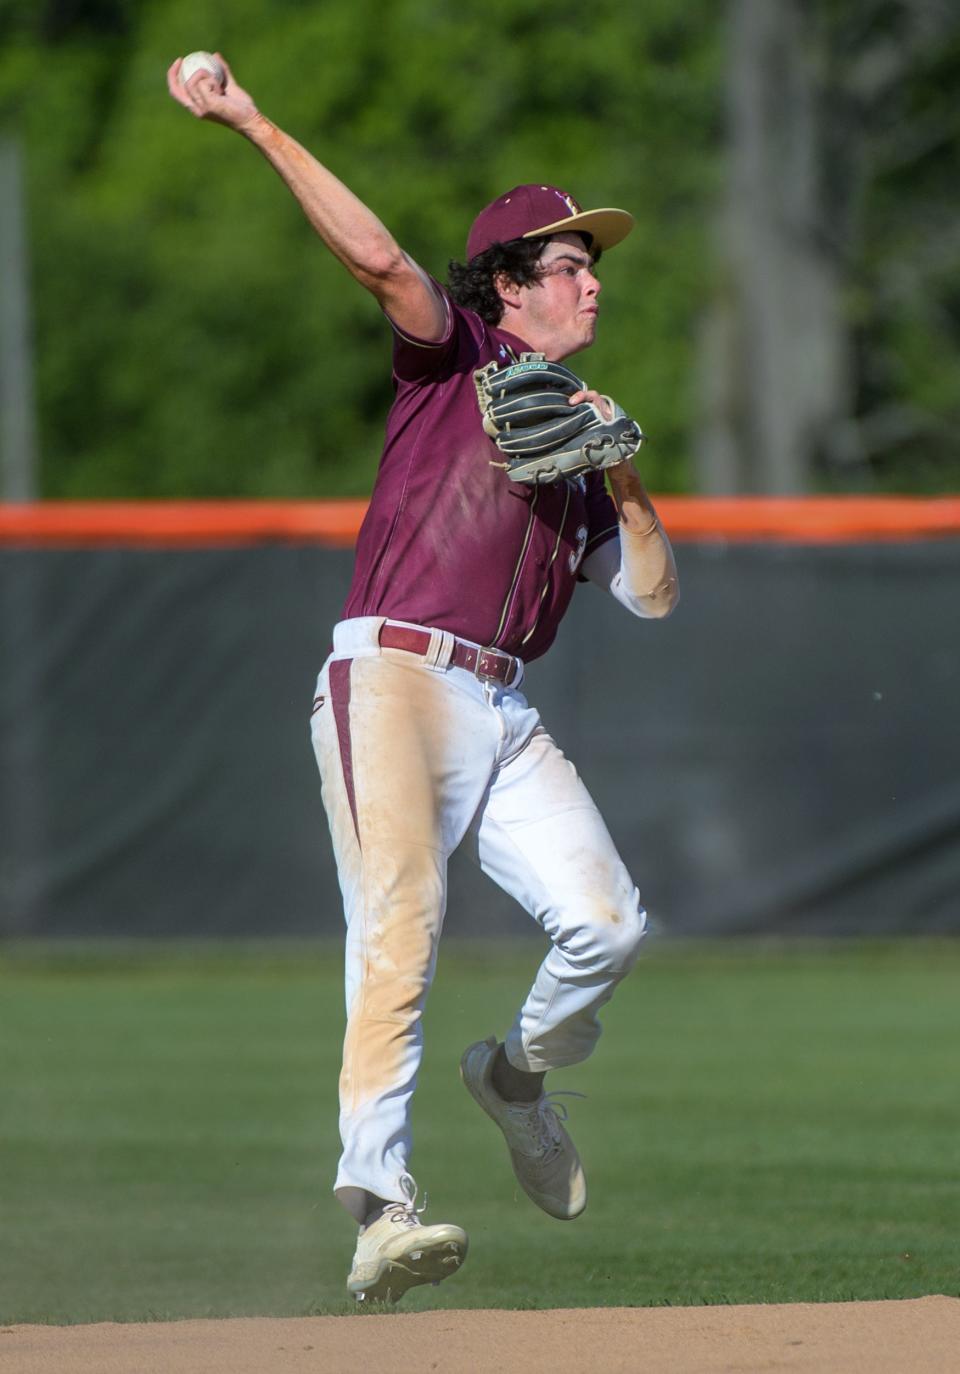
{"type": "Point", "coordinates": [546, 565]}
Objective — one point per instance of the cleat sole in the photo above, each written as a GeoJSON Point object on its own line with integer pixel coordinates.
{"type": "Point", "coordinates": [396, 1277]}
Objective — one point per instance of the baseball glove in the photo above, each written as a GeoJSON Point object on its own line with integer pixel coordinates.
{"type": "Point", "coordinates": [526, 411]}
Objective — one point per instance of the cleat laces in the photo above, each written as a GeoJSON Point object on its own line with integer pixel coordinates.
{"type": "Point", "coordinates": [406, 1213]}
{"type": "Point", "coordinates": [540, 1121]}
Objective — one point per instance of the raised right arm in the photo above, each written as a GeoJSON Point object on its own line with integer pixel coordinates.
{"type": "Point", "coordinates": [350, 230]}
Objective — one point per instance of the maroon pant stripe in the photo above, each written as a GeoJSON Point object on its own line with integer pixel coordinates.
{"type": "Point", "coordinates": [340, 700]}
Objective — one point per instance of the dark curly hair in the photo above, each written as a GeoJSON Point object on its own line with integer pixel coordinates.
{"type": "Point", "coordinates": [472, 286]}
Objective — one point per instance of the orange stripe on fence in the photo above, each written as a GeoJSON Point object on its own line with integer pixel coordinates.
{"type": "Point", "coordinates": [810, 519]}
{"type": "Point", "coordinates": [172, 524]}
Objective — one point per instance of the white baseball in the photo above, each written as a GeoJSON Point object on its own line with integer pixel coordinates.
{"type": "Point", "coordinates": [202, 62]}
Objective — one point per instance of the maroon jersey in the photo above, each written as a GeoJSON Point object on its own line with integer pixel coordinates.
{"type": "Point", "coordinates": [448, 540]}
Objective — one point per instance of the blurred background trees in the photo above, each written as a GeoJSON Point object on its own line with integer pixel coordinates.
{"type": "Point", "coordinates": [786, 316]}
{"type": "Point", "coordinates": [829, 349]}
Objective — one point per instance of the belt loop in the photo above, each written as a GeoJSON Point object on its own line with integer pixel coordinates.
{"type": "Point", "coordinates": [439, 651]}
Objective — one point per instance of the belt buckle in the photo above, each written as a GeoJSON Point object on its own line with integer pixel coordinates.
{"type": "Point", "coordinates": [487, 654]}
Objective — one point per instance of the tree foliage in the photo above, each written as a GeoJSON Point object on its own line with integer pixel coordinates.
{"type": "Point", "coordinates": [889, 72]}
{"type": "Point", "coordinates": [193, 337]}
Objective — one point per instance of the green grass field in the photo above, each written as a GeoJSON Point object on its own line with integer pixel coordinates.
{"type": "Point", "coordinates": [763, 1124]}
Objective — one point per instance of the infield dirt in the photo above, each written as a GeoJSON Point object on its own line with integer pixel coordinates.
{"type": "Point", "coordinates": [921, 1335]}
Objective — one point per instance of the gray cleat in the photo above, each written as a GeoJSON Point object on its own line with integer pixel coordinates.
{"type": "Point", "coordinates": [544, 1157]}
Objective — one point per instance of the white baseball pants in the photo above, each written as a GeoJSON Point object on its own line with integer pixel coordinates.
{"type": "Point", "coordinates": [413, 756]}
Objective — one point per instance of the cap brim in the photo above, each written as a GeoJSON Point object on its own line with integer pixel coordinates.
{"type": "Point", "coordinates": [606, 227]}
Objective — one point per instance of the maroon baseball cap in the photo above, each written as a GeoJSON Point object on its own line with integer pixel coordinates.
{"type": "Point", "coordinates": [527, 212]}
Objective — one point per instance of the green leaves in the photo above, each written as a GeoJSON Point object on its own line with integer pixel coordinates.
{"type": "Point", "coordinates": [193, 337]}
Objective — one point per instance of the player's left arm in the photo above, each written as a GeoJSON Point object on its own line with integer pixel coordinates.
{"type": "Point", "coordinates": [639, 568]}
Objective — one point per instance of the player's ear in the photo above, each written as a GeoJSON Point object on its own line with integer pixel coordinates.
{"type": "Point", "coordinates": [507, 289]}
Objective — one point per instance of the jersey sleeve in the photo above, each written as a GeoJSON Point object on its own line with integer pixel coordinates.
{"type": "Point", "coordinates": [420, 360]}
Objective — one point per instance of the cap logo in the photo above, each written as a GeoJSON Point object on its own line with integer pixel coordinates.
{"type": "Point", "coordinates": [569, 202]}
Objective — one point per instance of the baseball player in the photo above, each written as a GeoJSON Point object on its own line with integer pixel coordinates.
{"type": "Point", "coordinates": [479, 527]}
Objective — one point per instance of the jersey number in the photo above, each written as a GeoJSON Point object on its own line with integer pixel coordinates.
{"type": "Point", "coordinates": [576, 555]}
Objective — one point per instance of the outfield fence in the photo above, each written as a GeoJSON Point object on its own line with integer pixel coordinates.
{"type": "Point", "coordinates": [782, 755]}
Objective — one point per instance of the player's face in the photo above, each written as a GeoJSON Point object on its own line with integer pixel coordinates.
{"type": "Point", "coordinates": [558, 314]}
